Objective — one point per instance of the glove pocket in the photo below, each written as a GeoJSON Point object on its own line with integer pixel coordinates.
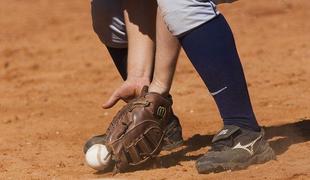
{"type": "Point", "coordinates": [143, 142]}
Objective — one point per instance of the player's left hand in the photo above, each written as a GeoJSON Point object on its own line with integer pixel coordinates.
{"type": "Point", "coordinates": [130, 89]}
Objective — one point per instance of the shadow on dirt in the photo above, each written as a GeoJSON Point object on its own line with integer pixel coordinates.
{"type": "Point", "coordinates": [280, 139]}
{"type": "Point", "coordinates": [192, 144]}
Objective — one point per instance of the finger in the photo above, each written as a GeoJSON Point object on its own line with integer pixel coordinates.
{"type": "Point", "coordinates": [129, 98]}
{"type": "Point", "coordinates": [112, 101]}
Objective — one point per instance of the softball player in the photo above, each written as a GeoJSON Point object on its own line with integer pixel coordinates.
{"type": "Point", "coordinates": [109, 19]}
{"type": "Point", "coordinates": [208, 41]}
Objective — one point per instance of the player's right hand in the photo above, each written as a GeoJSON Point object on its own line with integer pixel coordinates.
{"type": "Point", "coordinates": [130, 89]}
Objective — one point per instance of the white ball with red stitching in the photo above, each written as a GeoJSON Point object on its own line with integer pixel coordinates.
{"type": "Point", "coordinates": [98, 157]}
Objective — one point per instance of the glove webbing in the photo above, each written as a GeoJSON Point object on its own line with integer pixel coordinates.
{"type": "Point", "coordinates": [141, 150]}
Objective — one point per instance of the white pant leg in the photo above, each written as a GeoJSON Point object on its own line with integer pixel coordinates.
{"type": "Point", "coordinates": [183, 15]}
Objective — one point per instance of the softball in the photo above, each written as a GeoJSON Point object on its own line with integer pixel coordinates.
{"type": "Point", "coordinates": [98, 157]}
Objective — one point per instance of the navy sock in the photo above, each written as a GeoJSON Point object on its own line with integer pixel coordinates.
{"type": "Point", "coordinates": [212, 50]}
{"type": "Point", "coordinates": [119, 56]}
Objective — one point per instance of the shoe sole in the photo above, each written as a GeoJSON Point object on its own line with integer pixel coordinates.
{"type": "Point", "coordinates": [267, 155]}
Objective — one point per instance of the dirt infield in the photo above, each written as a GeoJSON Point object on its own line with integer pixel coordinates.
{"type": "Point", "coordinates": [54, 75]}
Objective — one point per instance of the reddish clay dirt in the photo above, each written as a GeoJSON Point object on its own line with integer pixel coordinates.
{"type": "Point", "coordinates": [54, 75]}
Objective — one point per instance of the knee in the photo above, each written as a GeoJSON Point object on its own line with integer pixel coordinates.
{"type": "Point", "coordinates": [108, 23]}
{"type": "Point", "coordinates": [183, 15]}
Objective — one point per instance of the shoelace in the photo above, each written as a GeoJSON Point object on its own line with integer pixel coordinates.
{"type": "Point", "coordinates": [139, 102]}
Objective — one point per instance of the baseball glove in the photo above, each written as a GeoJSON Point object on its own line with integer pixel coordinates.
{"type": "Point", "coordinates": [136, 133]}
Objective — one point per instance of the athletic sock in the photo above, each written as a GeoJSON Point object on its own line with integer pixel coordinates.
{"type": "Point", "coordinates": [211, 49]}
{"type": "Point", "coordinates": [119, 56]}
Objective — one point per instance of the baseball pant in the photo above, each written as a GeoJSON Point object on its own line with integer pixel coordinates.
{"type": "Point", "coordinates": [180, 16]}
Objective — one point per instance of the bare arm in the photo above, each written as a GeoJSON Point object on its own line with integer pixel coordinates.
{"type": "Point", "coordinates": [167, 51]}
{"type": "Point", "coordinates": [140, 16]}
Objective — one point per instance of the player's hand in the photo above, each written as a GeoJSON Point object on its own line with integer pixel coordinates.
{"type": "Point", "coordinates": [130, 89]}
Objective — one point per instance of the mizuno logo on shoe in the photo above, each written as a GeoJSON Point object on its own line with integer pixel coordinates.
{"type": "Point", "coordinates": [248, 147]}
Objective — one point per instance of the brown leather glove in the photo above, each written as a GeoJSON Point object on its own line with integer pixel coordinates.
{"type": "Point", "coordinates": [136, 133]}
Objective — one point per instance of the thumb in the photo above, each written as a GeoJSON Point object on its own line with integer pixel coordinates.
{"type": "Point", "coordinates": [111, 101]}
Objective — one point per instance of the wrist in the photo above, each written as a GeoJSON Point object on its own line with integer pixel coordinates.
{"type": "Point", "coordinates": [139, 80]}
{"type": "Point", "coordinates": [159, 87]}
{"type": "Point", "coordinates": [139, 74]}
